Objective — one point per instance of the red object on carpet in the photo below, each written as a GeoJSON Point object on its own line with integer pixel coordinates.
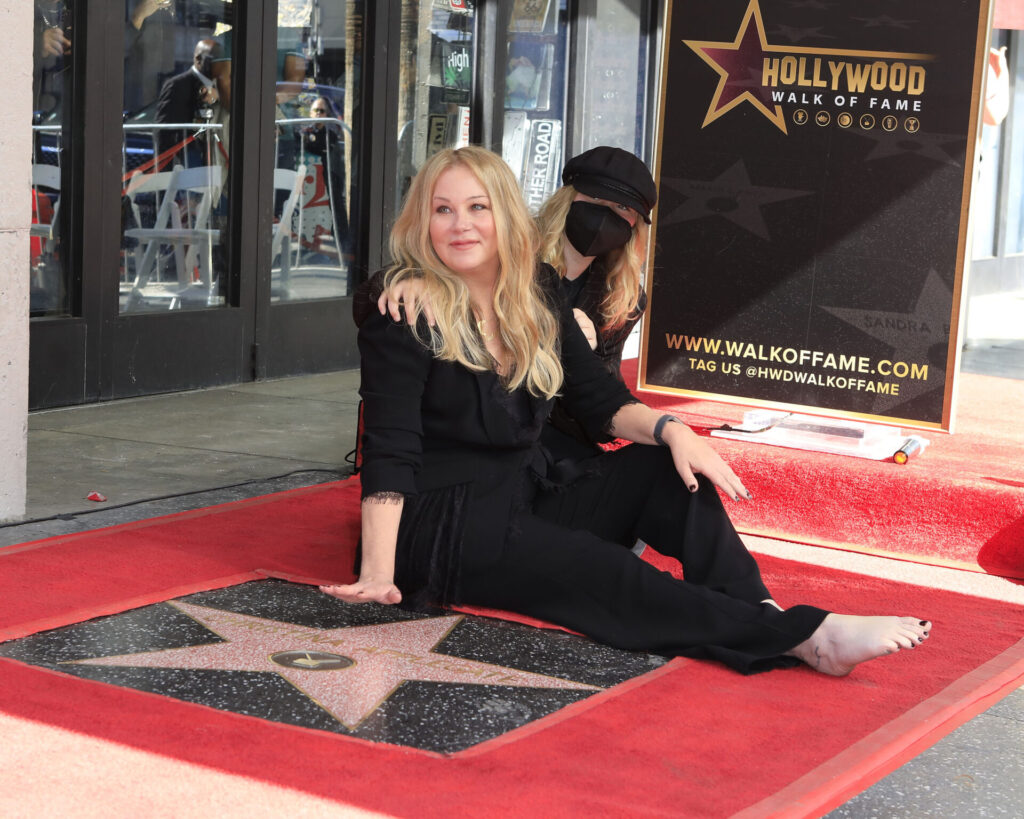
{"type": "Point", "coordinates": [960, 503]}
{"type": "Point", "coordinates": [691, 739]}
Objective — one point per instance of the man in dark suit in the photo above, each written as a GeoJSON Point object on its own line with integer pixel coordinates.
{"type": "Point", "coordinates": [187, 97]}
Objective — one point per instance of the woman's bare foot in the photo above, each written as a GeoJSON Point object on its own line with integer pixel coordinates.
{"type": "Point", "coordinates": [843, 640]}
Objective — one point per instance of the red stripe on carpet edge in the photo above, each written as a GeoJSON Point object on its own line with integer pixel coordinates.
{"type": "Point", "coordinates": [259, 500]}
{"type": "Point", "coordinates": [862, 764]}
{"type": "Point", "coordinates": [903, 557]}
{"type": "Point", "coordinates": [116, 607]}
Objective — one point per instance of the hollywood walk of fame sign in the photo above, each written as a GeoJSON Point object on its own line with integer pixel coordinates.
{"type": "Point", "coordinates": [289, 653]}
{"type": "Point", "coordinates": [815, 161]}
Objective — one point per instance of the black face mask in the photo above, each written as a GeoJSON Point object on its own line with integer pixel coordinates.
{"type": "Point", "coordinates": [594, 229]}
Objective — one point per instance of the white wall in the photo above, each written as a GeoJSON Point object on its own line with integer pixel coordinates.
{"type": "Point", "coordinates": [15, 215]}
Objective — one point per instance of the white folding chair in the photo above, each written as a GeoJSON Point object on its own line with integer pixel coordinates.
{"type": "Point", "coordinates": [192, 240]}
{"type": "Point", "coordinates": [290, 181]}
{"type": "Point", "coordinates": [46, 176]}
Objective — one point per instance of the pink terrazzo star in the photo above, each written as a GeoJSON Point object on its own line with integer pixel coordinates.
{"type": "Point", "coordinates": [349, 672]}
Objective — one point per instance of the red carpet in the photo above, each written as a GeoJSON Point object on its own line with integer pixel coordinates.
{"type": "Point", "coordinates": [960, 503]}
{"type": "Point", "coordinates": [690, 739]}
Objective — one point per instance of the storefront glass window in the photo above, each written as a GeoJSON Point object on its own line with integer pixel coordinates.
{"type": "Point", "coordinates": [53, 34]}
{"type": "Point", "coordinates": [319, 62]}
{"type": "Point", "coordinates": [174, 198]}
{"type": "Point", "coordinates": [611, 67]}
{"type": "Point", "coordinates": [535, 110]}
{"type": "Point", "coordinates": [434, 82]}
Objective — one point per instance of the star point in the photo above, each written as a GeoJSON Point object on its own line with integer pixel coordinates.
{"type": "Point", "coordinates": [912, 334]}
{"type": "Point", "coordinates": [733, 63]}
{"type": "Point", "coordinates": [731, 195]}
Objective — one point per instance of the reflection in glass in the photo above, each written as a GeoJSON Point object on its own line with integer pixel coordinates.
{"type": "Point", "coordinates": [174, 202]}
{"type": "Point", "coordinates": [53, 30]}
{"type": "Point", "coordinates": [613, 53]}
{"type": "Point", "coordinates": [434, 83]}
{"type": "Point", "coordinates": [534, 127]}
{"type": "Point", "coordinates": [319, 59]}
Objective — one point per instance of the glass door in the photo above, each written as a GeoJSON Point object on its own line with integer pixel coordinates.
{"type": "Point", "coordinates": [434, 85]}
{"type": "Point", "coordinates": [318, 65]}
{"type": "Point", "coordinates": [50, 291]}
{"type": "Point", "coordinates": [315, 180]}
{"type": "Point", "coordinates": [614, 88]}
{"type": "Point", "coordinates": [534, 79]}
{"type": "Point", "coordinates": [175, 196]}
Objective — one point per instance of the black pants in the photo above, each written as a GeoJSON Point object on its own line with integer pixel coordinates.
{"type": "Point", "coordinates": [567, 559]}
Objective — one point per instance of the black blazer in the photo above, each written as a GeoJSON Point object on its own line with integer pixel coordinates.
{"type": "Point", "coordinates": [432, 423]}
{"type": "Point", "coordinates": [178, 102]}
{"type": "Point", "coordinates": [609, 342]}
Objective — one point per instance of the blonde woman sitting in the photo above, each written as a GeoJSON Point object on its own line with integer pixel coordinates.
{"type": "Point", "coordinates": [460, 504]}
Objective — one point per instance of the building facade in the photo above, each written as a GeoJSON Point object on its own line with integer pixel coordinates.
{"type": "Point", "coordinates": [210, 179]}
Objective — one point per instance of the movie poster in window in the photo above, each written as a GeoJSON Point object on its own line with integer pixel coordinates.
{"type": "Point", "coordinates": [815, 165]}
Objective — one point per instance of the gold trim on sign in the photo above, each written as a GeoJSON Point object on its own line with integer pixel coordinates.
{"type": "Point", "coordinates": [652, 244]}
{"type": "Point", "coordinates": [963, 244]}
{"type": "Point", "coordinates": [808, 409]}
{"type": "Point", "coordinates": [958, 308]}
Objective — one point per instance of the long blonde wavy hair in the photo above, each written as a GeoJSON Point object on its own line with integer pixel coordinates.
{"type": "Point", "coordinates": [623, 266]}
{"type": "Point", "coordinates": [529, 330]}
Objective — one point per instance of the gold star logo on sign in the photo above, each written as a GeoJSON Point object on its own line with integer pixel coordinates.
{"type": "Point", "coordinates": [750, 72]}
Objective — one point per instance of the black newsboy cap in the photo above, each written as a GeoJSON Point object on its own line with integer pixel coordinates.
{"type": "Point", "coordinates": [613, 174]}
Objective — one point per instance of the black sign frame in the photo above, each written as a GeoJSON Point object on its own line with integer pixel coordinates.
{"type": "Point", "coordinates": [815, 162]}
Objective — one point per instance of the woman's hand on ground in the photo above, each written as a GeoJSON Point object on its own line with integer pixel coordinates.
{"type": "Point", "coordinates": [410, 294]}
{"type": "Point", "coordinates": [587, 326]}
{"type": "Point", "coordinates": [694, 456]}
{"type": "Point", "coordinates": [366, 591]}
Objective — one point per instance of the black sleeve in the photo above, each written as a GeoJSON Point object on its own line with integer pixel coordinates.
{"type": "Point", "coordinates": [393, 367]}
{"type": "Point", "coordinates": [364, 300]}
{"type": "Point", "coordinates": [591, 394]}
{"type": "Point", "coordinates": [610, 342]}
{"type": "Point", "coordinates": [173, 99]}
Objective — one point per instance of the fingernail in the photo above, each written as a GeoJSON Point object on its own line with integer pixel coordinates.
{"type": "Point", "coordinates": [692, 487]}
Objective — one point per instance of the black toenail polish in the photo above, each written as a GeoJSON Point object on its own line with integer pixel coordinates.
{"type": "Point", "coordinates": [922, 623]}
{"type": "Point", "coordinates": [926, 634]}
